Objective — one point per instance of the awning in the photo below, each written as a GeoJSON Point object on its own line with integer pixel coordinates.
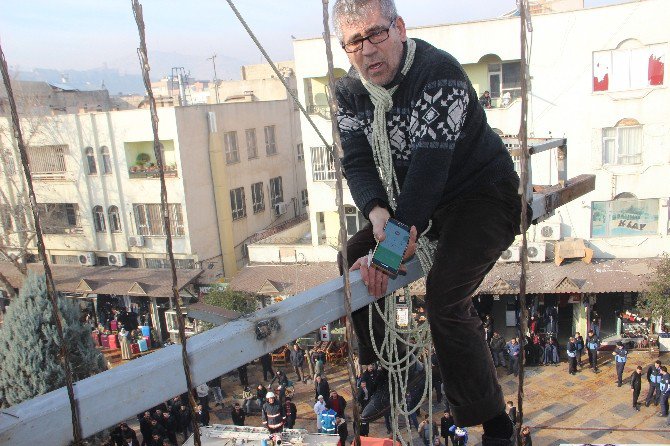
{"type": "Point", "coordinates": [600, 276]}
{"type": "Point", "coordinates": [142, 282]}
{"type": "Point", "coordinates": [284, 279]}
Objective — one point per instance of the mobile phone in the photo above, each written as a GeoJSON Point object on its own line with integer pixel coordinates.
{"type": "Point", "coordinates": [389, 253]}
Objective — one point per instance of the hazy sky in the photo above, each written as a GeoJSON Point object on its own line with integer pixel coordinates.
{"type": "Point", "coordinates": [84, 34]}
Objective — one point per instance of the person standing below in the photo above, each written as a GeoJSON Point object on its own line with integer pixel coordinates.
{"type": "Point", "coordinates": [203, 395]}
{"type": "Point", "coordinates": [497, 345]}
{"type": "Point", "coordinates": [261, 391]}
{"type": "Point", "coordinates": [272, 414]}
{"type": "Point", "coordinates": [215, 385]}
{"type": "Point", "coordinates": [124, 340]}
{"type": "Point", "coordinates": [238, 415]}
{"type": "Point", "coordinates": [664, 390]}
{"type": "Point", "coordinates": [424, 431]}
{"type": "Point", "coordinates": [319, 408]}
{"type": "Point", "coordinates": [592, 345]}
{"type": "Point", "coordinates": [454, 176]}
{"type": "Point", "coordinates": [337, 403]}
{"type": "Point", "coordinates": [620, 357]}
{"type": "Point", "coordinates": [511, 412]}
{"type": "Point", "coordinates": [514, 352]}
{"type": "Point", "coordinates": [445, 428]}
{"type": "Point", "coordinates": [298, 362]}
{"type": "Point", "coordinates": [281, 379]}
{"type": "Point", "coordinates": [321, 387]}
{"type": "Point", "coordinates": [248, 397]}
{"type": "Point", "coordinates": [654, 379]}
{"type": "Point", "coordinates": [243, 375]}
{"type": "Point", "coordinates": [485, 100]}
{"type": "Point", "coordinates": [291, 412]}
{"type": "Point", "coordinates": [595, 322]}
{"type": "Point", "coordinates": [636, 385]}
{"type": "Point", "coordinates": [266, 363]}
{"type": "Point", "coordinates": [580, 348]}
{"type": "Point", "coordinates": [342, 431]}
{"type": "Point", "coordinates": [526, 440]}
{"type": "Point", "coordinates": [572, 356]}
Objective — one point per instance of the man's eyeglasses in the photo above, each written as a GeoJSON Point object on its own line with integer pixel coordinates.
{"type": "Point", "coordinates": [375, 38]}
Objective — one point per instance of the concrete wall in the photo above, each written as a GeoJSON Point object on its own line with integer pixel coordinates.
{"type": "Point", "coordinates": [562, 104]}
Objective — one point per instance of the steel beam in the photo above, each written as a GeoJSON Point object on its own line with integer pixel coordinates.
{"type": "Point", "coordinates": [118, 394]}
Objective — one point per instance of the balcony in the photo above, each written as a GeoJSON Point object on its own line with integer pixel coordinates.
{"type": "Point", "coordinates": [142, 162]}
{"type": "Point", "coordinates": [152, 171]}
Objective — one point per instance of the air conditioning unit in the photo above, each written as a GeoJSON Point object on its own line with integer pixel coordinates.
{"type": "Point", "coordinates": [548, 231]}
{"type": "Point", "coordinates": [116, 258]}
{"type": "Point", "coordinates": [136, 240]}
{"type": "Point", "coordinates": [537, 251]}
{"type": "Point", "coordinates": [510, 255]}
{"type": "Point", "coordinates": [280, 208]}
{"type": "Point", "coordinates": [87, 258]}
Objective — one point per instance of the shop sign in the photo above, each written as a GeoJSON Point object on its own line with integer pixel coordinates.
{"type": "Point", "coordinates": [324, 332]}
{"type": "Point", "coordinates": [402, 316]}
{"type": "Point", "coordinates": [624, 217]}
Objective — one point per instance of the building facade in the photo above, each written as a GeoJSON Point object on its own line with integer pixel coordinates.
{"type": "Point", "coordinates": [597, 78]}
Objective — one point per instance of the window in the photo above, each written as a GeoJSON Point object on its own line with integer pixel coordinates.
{"type": "Point", "coordinates": [270, 145]}
{"type": "Point", "coordinates": [99, 219]}
{"type": "Point", "coordinates": [47, 162]}
{"type": "Point", "coordinates": [301, 153]}
{"type": "Point", "coordinates": [628, 68]}
{"type": "Point", "coordinates": [354, 220]}
{"type": "Point", "coordinates": [6, 217]}
{"type": "Point", "coordinates": [59, 218]}
{"type": "Point", "coordinates": [276, 191]}
{"type": "Point", "coordinates": [149, 220]}
{"type": "Point", "coordinates": [622, 145]}
{"type": "Point", "coordinates": [323, 165]}
{"type": "Point", "coordinates": [304, 200]}
{"type": "Point", "coordinates": [624, 217]}
{"type": "Point", "coordinates": [64, 260]}
{"type": "Point", "coordinates": [230, 143]}
{"type": "Point", "coordinates": [257, 197]}
{"type": "Point", "coordinates": [237, 203]}
{"type": "Point", "coordinates": [7, 162]}
{"type": "Point", "coordinates": [165, 263]}
{"type": "Point", "coordinates": [106, 160]}
{"type": "Point", "coordinates": [252, 150]}
{"type": "Point", "coordinates": [90, 161]}
{"type": "Point", "coordinates": [114, 219]}
{"type": "Point", "coordinates": [505, 78]}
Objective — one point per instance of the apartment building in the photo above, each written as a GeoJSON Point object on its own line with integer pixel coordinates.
{"type": "Point", "coordinates": [597, 78]}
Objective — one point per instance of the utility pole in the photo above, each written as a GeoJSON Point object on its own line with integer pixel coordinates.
{"type": "Point", "coordinates": [216, 81]}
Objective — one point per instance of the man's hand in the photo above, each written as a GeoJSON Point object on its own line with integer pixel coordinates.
{"type": "Point", "coordinates": [377, 280]}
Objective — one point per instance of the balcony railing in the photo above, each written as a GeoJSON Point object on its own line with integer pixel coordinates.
{"type": "Point", "coordinates": [321, 110]}
{"type": "Point", "coordinates": [152, 172]}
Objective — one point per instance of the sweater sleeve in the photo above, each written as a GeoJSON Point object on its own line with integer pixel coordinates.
{"type": "Point", "coordinates": [438, 117]}
{"type": "Point", "coordinates": [358, 162]}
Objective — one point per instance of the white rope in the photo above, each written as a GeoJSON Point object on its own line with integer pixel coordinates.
{"type": "Point", "coordinates": [417, 347]}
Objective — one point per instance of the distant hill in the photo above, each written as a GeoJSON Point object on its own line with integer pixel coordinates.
{"type": "Point", "coordinates": [123, 75]}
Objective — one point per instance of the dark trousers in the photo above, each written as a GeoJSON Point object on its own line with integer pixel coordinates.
{"type": "Point", "coordinates": [636, 395]}
{"type": "Point", "coordinates": [473, 231]}
{"type": "Point", "coordinates": [572, 364]}
{"type": "Point", "coordinates": [664, 404]}
{"type": "Point", "coordinates": [513, 365]}
{"type": "Point", "coordinates": [579, 357]}
{"type": "Point", "coordinates": [619, 372]}
{"type": "Point", "coordinates": [300, 373]}
{"type": "Point", "coordinates": [593, 359]}
{"type": "Point", "coordinates": [653, 394]}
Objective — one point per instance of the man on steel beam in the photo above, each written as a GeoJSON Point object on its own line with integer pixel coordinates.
{"type": "Point", "coordinates": [454, 176]}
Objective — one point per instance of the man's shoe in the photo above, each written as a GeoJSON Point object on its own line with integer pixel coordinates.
{"type": "Point", "coordinates": [380, 402]}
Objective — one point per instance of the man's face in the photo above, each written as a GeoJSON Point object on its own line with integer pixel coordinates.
{"type": "Point", "coordinates": [377, 63]}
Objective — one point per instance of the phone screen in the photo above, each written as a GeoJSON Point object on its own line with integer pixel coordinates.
{"type": "Point", "coordinates": [389, 253]}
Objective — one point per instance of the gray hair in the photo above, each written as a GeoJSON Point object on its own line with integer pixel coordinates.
{"type": "Point", "coordinates": [350, 10]}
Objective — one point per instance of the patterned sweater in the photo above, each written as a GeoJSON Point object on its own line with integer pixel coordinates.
{"type": "Point", "coordinates": [442, 146]}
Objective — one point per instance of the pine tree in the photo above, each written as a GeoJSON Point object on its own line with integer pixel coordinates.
{"type": "Point", "coordinates": [30, 349]}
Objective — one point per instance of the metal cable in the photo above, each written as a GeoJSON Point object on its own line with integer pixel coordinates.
{"type": "Point", "coordinates": [523, 183]}
{"type": "Point", "coordinates": [41, 249]}
{"type": "Point", "coordinates": [144, 62]}
{"type": "Point", "coordinates": [349, 335]}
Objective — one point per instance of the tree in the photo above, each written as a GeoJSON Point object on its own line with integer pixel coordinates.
{"type": "Point", "coordinates": [29, 346]}
{"type": "Point", "coordinates": [232, 300]}
{"type": "Point", "coordinates": [655, 303]}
